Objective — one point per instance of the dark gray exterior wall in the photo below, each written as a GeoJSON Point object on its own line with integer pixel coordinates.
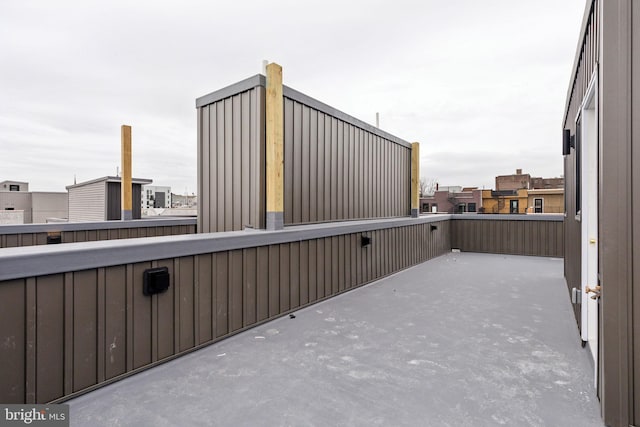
{"type": "Point", "coordinates": [72, 331]}
{"type": "Point", "coordinates": [609, 37]}
{"type": "Point", "coordinates": [231, 144]}
{"type": "Point", "coordinates": [12, 236]}
{"type": "Point", "coordinates": [336, 167]}
{"type": "Point", "coordinates": [539, 235]}
{"type": "Point", "coordinates": [339, 168]}
{"type": "Point", "coordinates": [114, 204]}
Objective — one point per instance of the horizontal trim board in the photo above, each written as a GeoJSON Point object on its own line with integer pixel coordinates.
{"type": "Point", "coordinates": [320, 106]}
{"type": "Point", "coordinates": [30, 261]}
{"type": "Point", "coordinates": [99, 225]}
{"type": "Point", "coordinates": [234, 89]}
{"type": "Point", "coordinates": [260, 80]}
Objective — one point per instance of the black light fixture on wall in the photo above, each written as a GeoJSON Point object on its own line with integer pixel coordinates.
{"type": "Point", "coordinates": [566, 142]}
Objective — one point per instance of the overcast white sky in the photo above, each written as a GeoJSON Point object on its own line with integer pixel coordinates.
{"type": "Point", "coordinates": [480, 84]}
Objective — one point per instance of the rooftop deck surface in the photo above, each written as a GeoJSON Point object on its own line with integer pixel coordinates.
{"type": "Point", "coordinates": [462, 340]}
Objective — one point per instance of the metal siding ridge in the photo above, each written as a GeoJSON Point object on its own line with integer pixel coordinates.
{"type": "Point", "coordinates": [234, 89]}
{"type": "Point", "coordinates": [320, 106]}
{"type": "Point", "coordinates": [32, 261]}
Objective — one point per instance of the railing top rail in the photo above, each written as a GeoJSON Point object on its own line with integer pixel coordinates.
{"type": "Point", "coordinates": [31, 261]}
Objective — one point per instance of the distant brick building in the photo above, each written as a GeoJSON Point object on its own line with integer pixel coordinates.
{"type": "Point", "coordinates": [521, 180]}
{"type": "Point", "coordinates": [447, 201]}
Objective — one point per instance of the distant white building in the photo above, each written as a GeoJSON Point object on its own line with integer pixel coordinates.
{"type": "Point", "coordinates": [155, 196]}
{"type": "Point", "coordinates": [18, 205]}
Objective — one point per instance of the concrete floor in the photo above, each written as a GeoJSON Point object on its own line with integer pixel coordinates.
{"type": "Point", "coordinates": [462, 340]}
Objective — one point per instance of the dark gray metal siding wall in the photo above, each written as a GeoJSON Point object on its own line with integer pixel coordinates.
{"type": "Point", "coordinates": [533, 238]}
{"type": "Point", "coordinates": [231, 143]}
{"type": "Point", "coordinates": [585, 65]}
{"type": "Point", "coordinates": [114, 204]}
{"type": "Point", "coordinates": [74, 331]}
{"type": "Point", "coordinates": [32, 239]}
{"type": "Point", "coordinates": [335, 170]}
{"type": "Point", "coordinates": [611, 32]}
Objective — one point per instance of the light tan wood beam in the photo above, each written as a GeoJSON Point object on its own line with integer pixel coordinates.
{"type": "Point", "coordinates": [274, 105]}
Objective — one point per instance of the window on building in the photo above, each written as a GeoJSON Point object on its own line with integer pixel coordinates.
{"type": "Point", "coordinates": [462, 208]}
{"type": "Point", "coordinates": [14, 187]}
{"type": "Point", "coordinates": [425, 207]}
{"type": "Point", "coordinates": [471, 207]}
{"type": "Point", "coordinates": [434, 208]}
{"type": "Point", "coordinates": [537, 205]}
{"type": "Point", "coordinates": [513, 206]}
{"type": "Point", "coordinates": [9, 209]}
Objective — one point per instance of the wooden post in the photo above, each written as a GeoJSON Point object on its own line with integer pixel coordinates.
{"type": "Point", "coordinates": [125, 182]}
{"type": "Point", "coordinates": [415, 179]}
{"type": "Point", "coordinates": [274, 106]}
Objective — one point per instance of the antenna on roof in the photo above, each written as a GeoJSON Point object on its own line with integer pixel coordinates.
{"type": "Point", "coordinates": [265, 62]}
{"type": "Point", "coordinates": [74, 179]}
{"type": "Point", "coordinates": [377, 120]}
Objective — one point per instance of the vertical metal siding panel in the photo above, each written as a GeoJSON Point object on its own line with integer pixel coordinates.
{"type": "Point", "coordinates": [354, 260]}
{"type": "Point", "coordinates": [294, 274]}
{"type": "Point", "coordinates": [263, 283]}
{"type": "Point", "coordinates": [334, 265]}
{"type": "Point", "coordinates": [353, 177]}
{"type": "Point", "coordinates": [348, 171]}
{"type": "Point", "coordinates": [49, 338]}
{"type": "Point", "coordinates": [187, 320]}
{"type": "Point", "coordinates": [235, 290]}
{"type": "Point", "coordinates": [13, 335]}
{"type": "Point", "coordinates": [245, 152]}
{"type": "Point", "coordinates": [304, 272]}
{"type": "Point", "coordinates": [321, 171]}
{"type": "Point", "coordinates": [313, 258]}
{"type": "Point", "coordinates": [166, 312]}
{"type": "Point", "coordinates": [297, 163]}
{"type": "Point", "coordinates": [220, 146]}
{"type": "Point", "coordinates": [289, 176]}
{"type": "Point", "coordinates": [334, 169]}
{"type": "Point", "coordinates": [356, 173]}
{"type": "Point", "coordinates": [313, 167]}
{"type": "Point", "coordinates": [361, 180]}
{"type": "Point", "coordinates": [377, 178]}
{"type": "Point", "coordinates": [284, 286]}
{"type": "Point", "coordinates": [358, 262]}
{"type": "Point", "coordinates": [258, 146]}
{"type": "Point", "coordinates": [340, 169]}
{"type": "Point", "coordinates": [249, 268]}
{"type": "Point", "coordinates": [85, 329]}
{"type": "Point", "coordinates": [340, 265]}
{"type": "Point", "coordinates": [204, 164]}
{"type": "Point", "coordinates": [365, 174]}
{"type": "Point", "coordinates": [347, 261]}
{"type": "Point", "coordinates": [222, 293]}
{"type": "Point", "coordinates": [206, 315]}
{"type": "Point", "coordinates": [305, 166]}
{"type": "Point", "coordinates": [274, 280]}
{"type": "Point", "coordinates": [229, 175]}
{"type": "Point", "coordinates": [201, 184]}
{"type": "Point", "coordinates": [328, 168]}
{"type": "Point", "coordinates": [328, 271]}
{"type": "Point", "coordinates": [236, 161]}
{"type": "Point", "coordinates": [253, 131]}
{"type": "Point", "coordinates": [320, 273]}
